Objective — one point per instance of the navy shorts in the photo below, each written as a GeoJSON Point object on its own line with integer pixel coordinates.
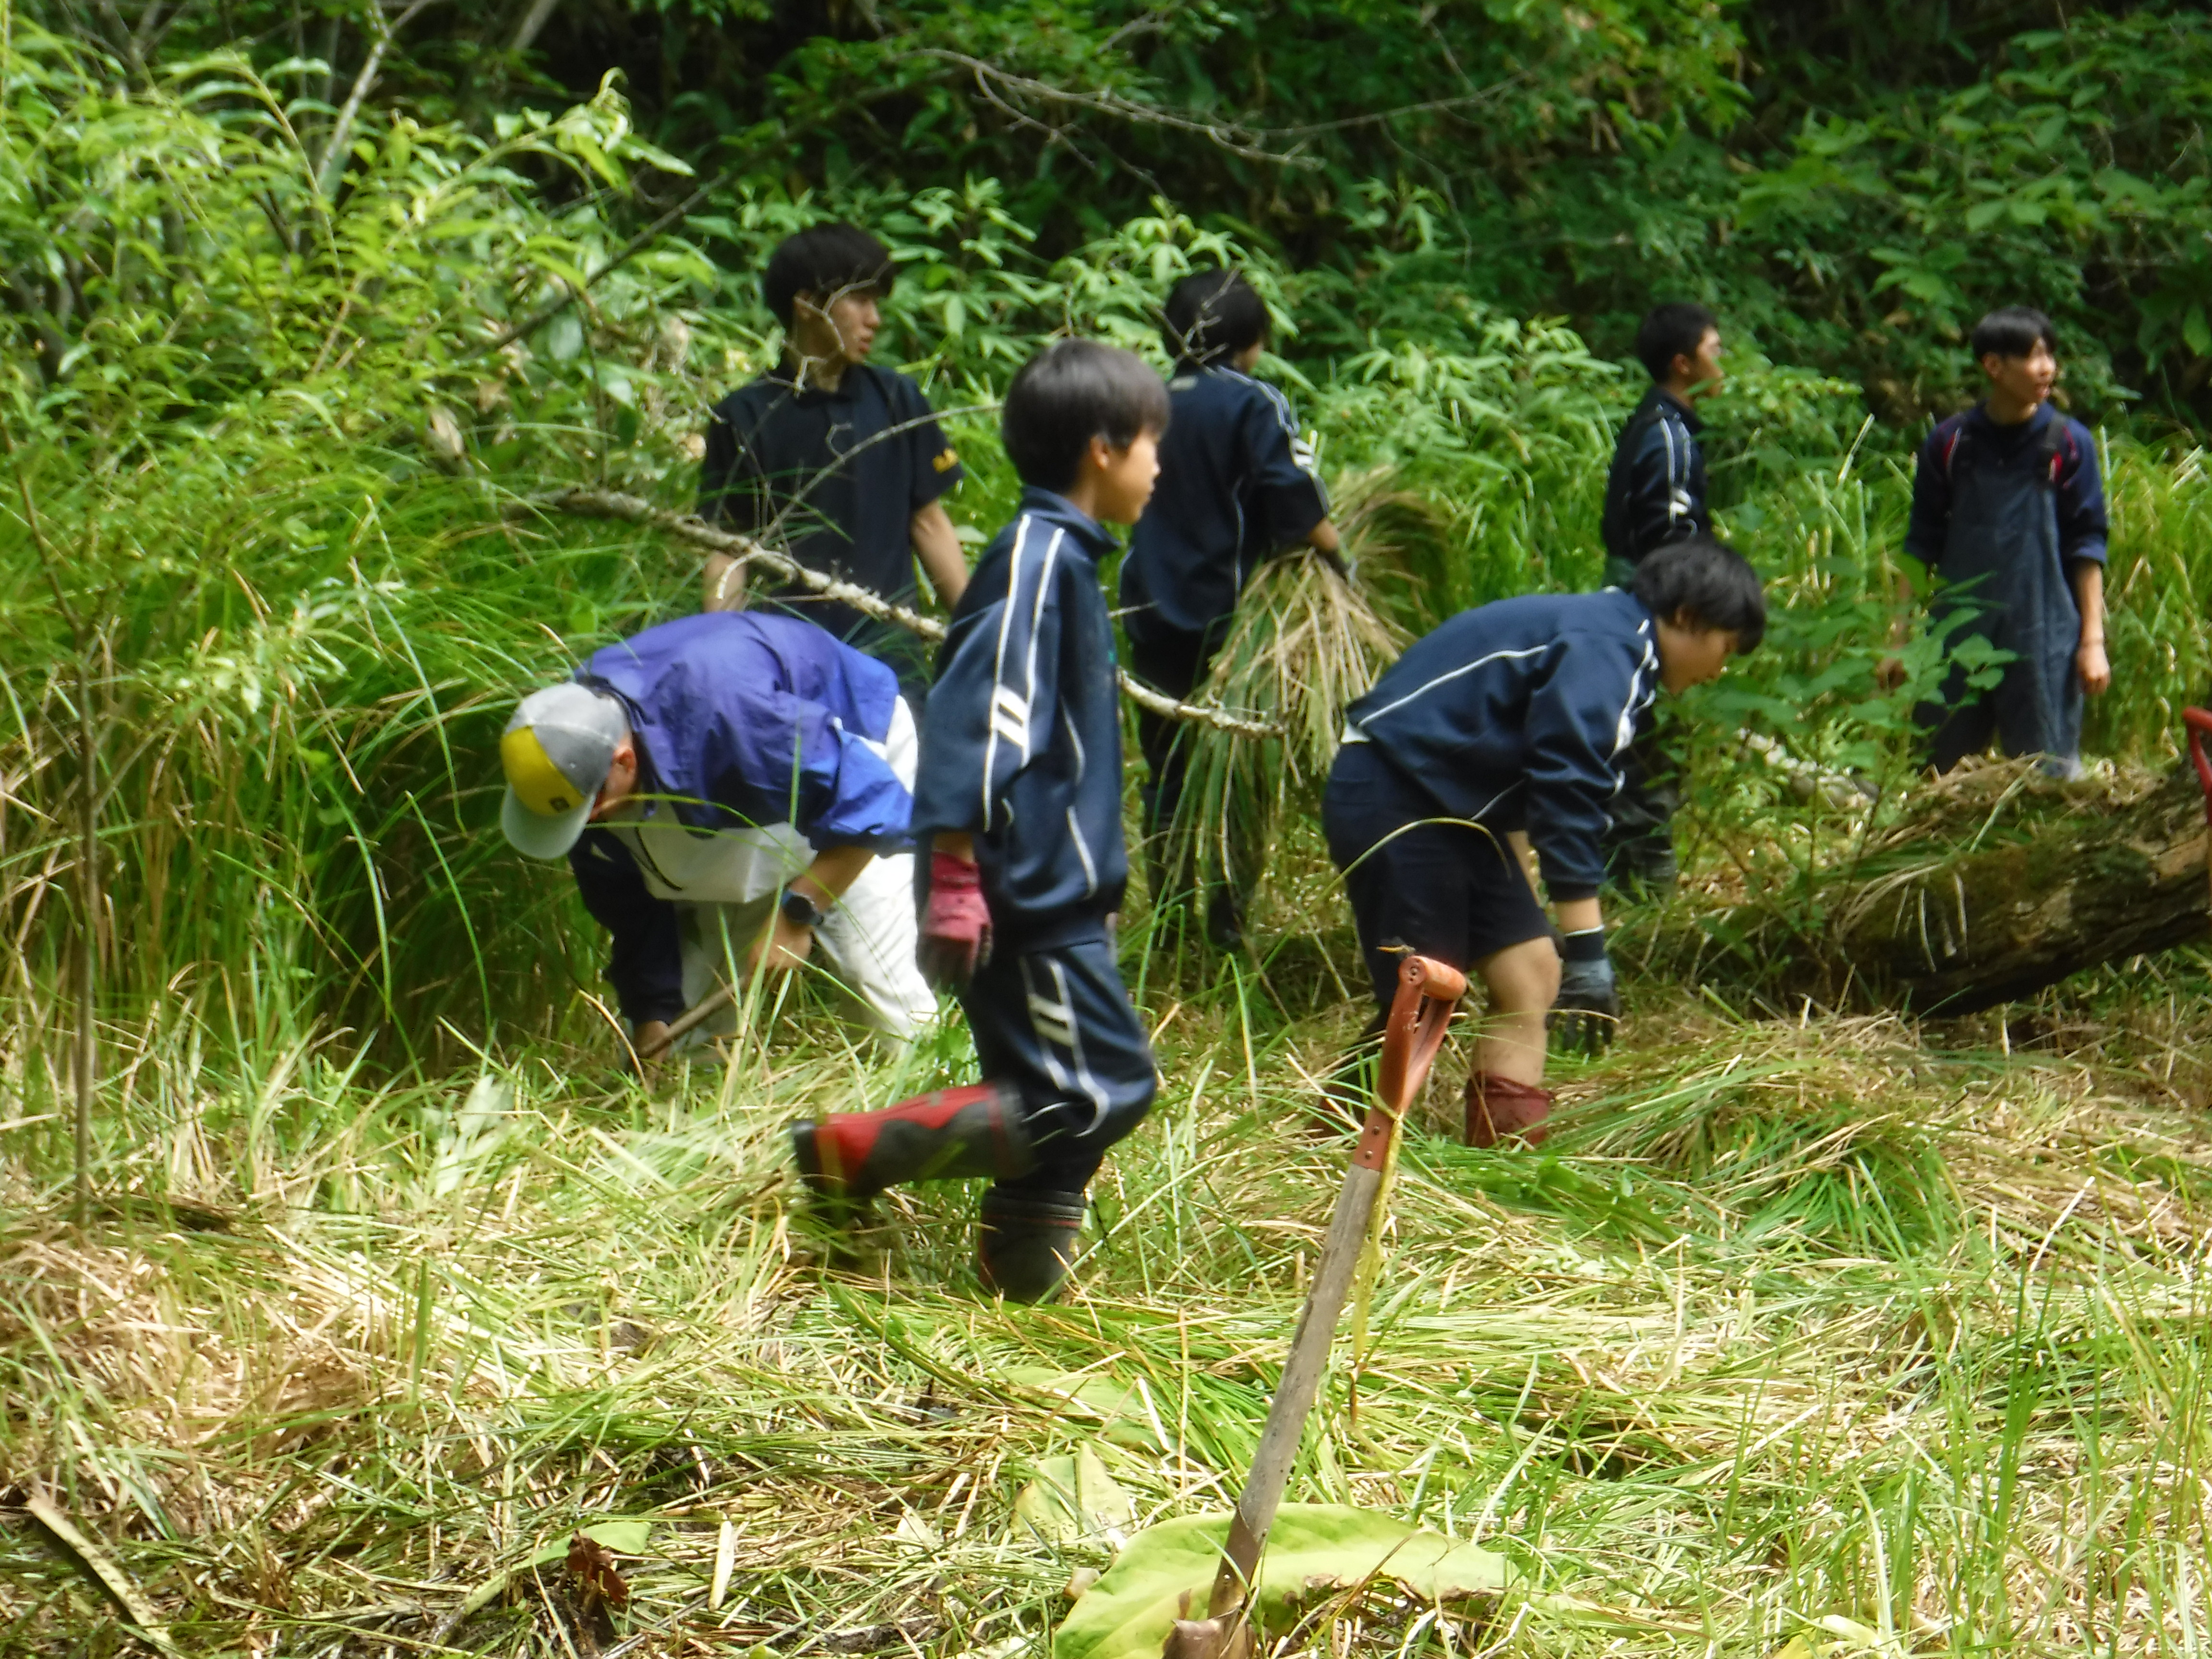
{"type": "Point", "coordinates": [1450, 890]}
{"type": "Point", "coordinates": [1057, 1026]}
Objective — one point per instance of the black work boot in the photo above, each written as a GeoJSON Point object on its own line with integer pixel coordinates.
{"type": "Point", "coordinates": [1224, 920]}
{"type": "Point", "coordinates": [1024, 1246]}
{"type": "Point", "coordinates": [951, 1135]}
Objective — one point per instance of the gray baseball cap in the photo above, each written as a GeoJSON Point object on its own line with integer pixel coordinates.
{"type": "Point", "coordinates": [556, 752]}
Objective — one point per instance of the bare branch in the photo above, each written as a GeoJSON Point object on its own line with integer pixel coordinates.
{"type": "Point", "coordinates": [685, 526]}
{"type": "Point", "coordinates": [1237, 138]}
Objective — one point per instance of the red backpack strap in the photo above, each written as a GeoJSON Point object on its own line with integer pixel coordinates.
{"type": "Point", "coordinates": [1951, 448]}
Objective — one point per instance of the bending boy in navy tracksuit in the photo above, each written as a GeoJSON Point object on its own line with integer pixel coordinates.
{"type": "Point", "coordinates": [2008, 515]}
{"type": "Point", "coordinates": [1507, 726]}
{"type": "Point", "coordinates": [1656, 494]}
{"type": "Point", "coordinates": [1019, 805]}
{"type": "Point", "coordinates": [845, 460]}
{"type": "Point", "coordinates": [1237, 486]}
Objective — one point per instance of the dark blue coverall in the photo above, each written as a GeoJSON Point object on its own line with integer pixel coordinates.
{"type": "Point", "coordinates": [1515, 715]}
{"type": "Point", "coordinates": [1021, 748]}
{"type": "Point", "coordinates": [2000, 514]}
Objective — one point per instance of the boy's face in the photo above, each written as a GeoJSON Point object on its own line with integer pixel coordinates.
{"type": "Point", "coordinates": [620, 784]}
{"type": "Point", "coordinates": [1123, 478]}
{"type": "Point", "coordinates": [1691, 653]}
{"type": "Point", "coordinates": [841, 328]}
{"type": "Point", "coordinates": [1700, 373]}
{"type": "Point", "coordinates": [2025, 381]}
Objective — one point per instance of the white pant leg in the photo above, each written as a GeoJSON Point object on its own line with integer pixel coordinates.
{"type": "Point", "coordinates": [871, 935]}
{"type": "Point", "coordinates": [870, 939]}
{"type": "Point", "coordinates": [714, 939]}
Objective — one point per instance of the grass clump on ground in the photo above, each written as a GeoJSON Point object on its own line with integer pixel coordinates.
{"type": "Point", "coordinates": [1837, 1330]}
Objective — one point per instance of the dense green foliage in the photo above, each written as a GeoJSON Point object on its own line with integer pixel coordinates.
{"type": "Point", "coordinates": [1851, 184]}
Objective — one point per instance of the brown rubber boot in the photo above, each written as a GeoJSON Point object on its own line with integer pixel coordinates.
{"type": "Point", "coordinates": [1498, 1109]}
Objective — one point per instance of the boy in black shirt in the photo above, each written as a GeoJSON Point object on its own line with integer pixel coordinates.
{"type": "Point", "coordinates": [845, 461]}
{"type": "Point", "coordinates": [1237, 487]}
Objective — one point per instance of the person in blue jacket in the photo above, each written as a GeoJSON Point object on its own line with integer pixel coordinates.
{"type": "Point", "coordinates": [1656, 494]}
{"type": "Point", "coordinates": [1500, 734]}
{"type": "Point", "coordinates": [1237, 487]}
{"type": "Point", "coordinates": [2009, 518]}
{"type": "Point", "coordinates": [730, 790]}
{"type": "Point", "coordinates": [1019, 807]}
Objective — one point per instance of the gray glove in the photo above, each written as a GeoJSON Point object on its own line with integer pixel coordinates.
{"type": "Point", "coordinates": [1588, 1009]}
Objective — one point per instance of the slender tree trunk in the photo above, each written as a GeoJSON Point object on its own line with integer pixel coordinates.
{"type": "Point", "coordinates": [88, 973]}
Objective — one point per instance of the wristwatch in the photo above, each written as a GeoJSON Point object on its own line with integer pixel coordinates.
{"type": "Point", "coordinates": [801, 911]}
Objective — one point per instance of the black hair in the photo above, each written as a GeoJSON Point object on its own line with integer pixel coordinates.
{"type": "Point", "coordinates": [821, 260]}
{"type": "Point", "coordinates": [1072, 392]}
{"type": "Point", "coordinates": [1715, 584]}
{"type": "Point", "coordinates": [2011, 331]}
{"type": "Point", "coordinates": [1210, 315]}
{"type": "Point", "coordinates": [1671, 330]}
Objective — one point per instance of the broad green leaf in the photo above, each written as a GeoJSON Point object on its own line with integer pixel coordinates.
{"type": "Point", "coordinates": [624, 1537]}
{"type": "Point", "coordinates": [1314, 1550]}
{"type": "Point", "coordinates": [1072, 1498]}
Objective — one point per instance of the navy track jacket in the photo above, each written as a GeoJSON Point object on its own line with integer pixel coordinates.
{"type": "Point", "coordinates": [1236, 486]}
{"type": "Point", "coordinates": [1655, 492]}
{"type": "Point", "coordinates": [1021, 745]}
{"type": "Point", "coordinates": [742, 720]}
{"type": "Point", "coordinates": [1517, 715]}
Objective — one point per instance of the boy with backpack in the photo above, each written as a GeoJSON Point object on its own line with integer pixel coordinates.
{"type": "Point", "coordinates": [1237, 487]}
{"type": "Point", "coordinates": [1655, 494]}
{"type": "Point", "coordinates": [1017, 813]}
{"type": "Point", "coordinates": [2009, 518]}
{"type": "Point", "coordinates": [1508, 725]}
{"type": "Point", "coordinates": [842, 461]}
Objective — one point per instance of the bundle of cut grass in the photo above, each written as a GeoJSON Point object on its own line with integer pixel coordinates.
{"type": "Point", "coordinates": [1304, 643]}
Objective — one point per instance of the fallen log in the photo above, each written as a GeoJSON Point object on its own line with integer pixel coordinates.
{"type": "Point", "coordinates": [1989, 887]}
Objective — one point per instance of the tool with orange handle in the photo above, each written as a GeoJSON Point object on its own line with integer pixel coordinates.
{"type": "Point", "coordinates": [1427, 991]}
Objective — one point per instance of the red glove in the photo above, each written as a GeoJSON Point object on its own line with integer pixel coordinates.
{"type": "Point", "coordinates": [955, 925]}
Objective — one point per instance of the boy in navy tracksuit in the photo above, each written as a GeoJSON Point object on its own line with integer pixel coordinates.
{"type": "Point", "coordinates": [1507, 727]}
{"type": "Point", "coordinates": [1237, 486]}
{"type": "Point", "coordinates": [1656, 494]}
{"type": "Point", "coordinates": [1018, 805]}
{"type": "Point", "coordinates": [845, 462]}
{"type": "Point", "coordinates": [2009, 516]}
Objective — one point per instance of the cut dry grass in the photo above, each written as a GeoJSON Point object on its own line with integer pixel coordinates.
{"type": "Point", "coordinates": [1787, 1324]}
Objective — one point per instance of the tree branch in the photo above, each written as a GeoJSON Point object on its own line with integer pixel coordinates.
{"type": "Point", "coordinates": [688, 527]}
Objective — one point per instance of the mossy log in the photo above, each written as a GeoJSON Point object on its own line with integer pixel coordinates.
{"type": "Point", "coordinates": [2055, 879]}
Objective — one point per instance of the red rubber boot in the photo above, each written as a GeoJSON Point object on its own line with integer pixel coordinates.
{"type": "Point", "coordinates": [1498, 1109]}
{"type": "Point", "coordinates": [951, 1135]}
